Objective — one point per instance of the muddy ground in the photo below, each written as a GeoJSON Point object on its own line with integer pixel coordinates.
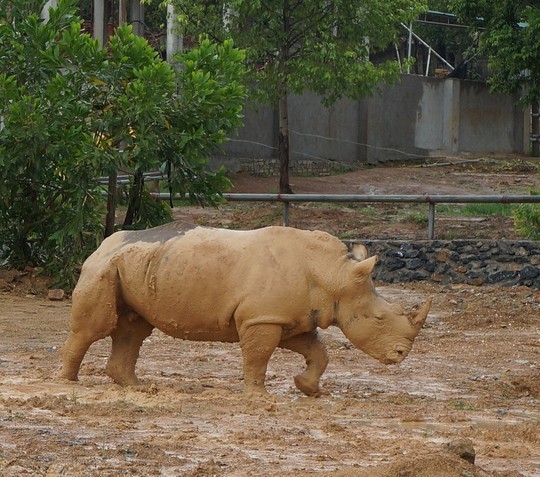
{"type": "Point", "coordinates": [474, 373]}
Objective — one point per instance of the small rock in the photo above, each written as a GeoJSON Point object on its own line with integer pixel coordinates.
{"type": "Point", "coordinates": [462, 448]}
{"type": "Point", "coordinates": [56, 294]}
{"type": "Point", "coordinates": [529, 272]}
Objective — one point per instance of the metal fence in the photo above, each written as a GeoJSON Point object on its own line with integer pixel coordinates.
{"type": "Point", "coordinates": [431, 200]}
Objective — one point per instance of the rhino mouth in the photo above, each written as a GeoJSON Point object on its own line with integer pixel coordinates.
{"type": "Point", "coordinates": [396, 356]}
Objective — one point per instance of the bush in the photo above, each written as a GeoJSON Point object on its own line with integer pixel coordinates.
{"type": "Point", "coordinates": [71, 112]}
{"type": "Point", "coordinates": [527, 220]}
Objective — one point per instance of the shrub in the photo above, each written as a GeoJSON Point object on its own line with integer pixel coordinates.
{"type": "Point", "coordinates": [527, 220]}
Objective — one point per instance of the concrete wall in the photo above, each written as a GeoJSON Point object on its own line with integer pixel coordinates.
{"type": "Point", "coordinates": [418, 117]}
{"type": "Point", "coordinates": [319, 133]}
{"type": "Point", "coordinates": [389, 121]}
{"type": "Point", "coordinates": [488, 122]}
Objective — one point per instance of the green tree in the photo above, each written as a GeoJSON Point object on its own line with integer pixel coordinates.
{"type": "Point", "coordinates": [72, 112]}
{"type": "Point", "coordinates": [49, 204]}
{"type": "Point", "coordinates": [509, 34]}
{"type": "Point", "coordinates": [152, 116]}
{"type": "Point", "coordinates": [294, 46]}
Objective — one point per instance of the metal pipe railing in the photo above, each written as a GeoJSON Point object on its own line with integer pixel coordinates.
{"type": "Point", "coordinates": [431, 200]}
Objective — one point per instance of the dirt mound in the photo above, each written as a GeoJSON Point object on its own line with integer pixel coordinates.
{"type": "Point", "coordinates": [423, 464]}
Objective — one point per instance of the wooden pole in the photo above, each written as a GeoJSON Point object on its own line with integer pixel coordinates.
{"type": "Point", "coordinates": [122, 12]}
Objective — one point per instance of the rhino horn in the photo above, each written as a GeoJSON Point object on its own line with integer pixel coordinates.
{"type": "Point", "coordinates": [419, 318]}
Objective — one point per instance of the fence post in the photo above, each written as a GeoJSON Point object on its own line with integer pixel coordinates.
{"type": "Point", "coordinates": [431, 221]}
{"type": "Point", "coordinates": [285, 213]}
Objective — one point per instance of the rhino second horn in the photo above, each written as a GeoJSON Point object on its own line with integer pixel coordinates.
{"type": "Point", "coordinates": [420, 318]}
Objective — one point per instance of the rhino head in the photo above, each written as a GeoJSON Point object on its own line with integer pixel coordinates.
{"type": "Point", "coordinates": [381, 329]}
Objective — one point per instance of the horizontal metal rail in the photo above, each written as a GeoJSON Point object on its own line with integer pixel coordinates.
{"type": "Point", "coordinates": [431, 200]}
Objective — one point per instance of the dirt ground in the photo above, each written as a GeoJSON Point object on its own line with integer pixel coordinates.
{"type": "Point", "coordinates": [445, 176]}
{"type": "Point", "coordinates": [473, 373]}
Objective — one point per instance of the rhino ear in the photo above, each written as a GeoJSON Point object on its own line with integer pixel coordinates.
{"type": "Point", "coordinates": [359, 252]}
{"type": "Point", "coordinates": [362, 270]}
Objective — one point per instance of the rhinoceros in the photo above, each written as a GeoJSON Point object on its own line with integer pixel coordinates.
{"type": "Point", "coordinates": [266, 288]}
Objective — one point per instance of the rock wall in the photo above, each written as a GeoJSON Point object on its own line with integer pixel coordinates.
{"type": "Point", "coordinates": [459, 261]}
{"type": "Point", "coordinates": [270, 167]}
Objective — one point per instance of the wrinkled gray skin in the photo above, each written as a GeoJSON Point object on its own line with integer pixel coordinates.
{"type": "Point", "coordinates": [265, 288]}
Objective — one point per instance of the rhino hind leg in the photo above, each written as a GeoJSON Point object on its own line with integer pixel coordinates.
{"type": "Point", "coordinates": [127, 338]}
{"type": "Point", "coordinates": [89, 323]}
{"type": "Point", "coordinates": [310, 346]}
{"type": "Point", "coordinates": [73, 353]}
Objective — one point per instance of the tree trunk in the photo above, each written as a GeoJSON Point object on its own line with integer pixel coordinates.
{"type": "Point", "coordinates": [283, 145]}
{"type": "Point", "coordinates": [134, 205]}
{"type": "Point", "coordinates": [111, 204]}
{"type": "Point", "coordinates": [535, 129]}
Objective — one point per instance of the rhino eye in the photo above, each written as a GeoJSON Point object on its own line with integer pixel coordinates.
{"type": "Point", "coordinates": [378, 317]}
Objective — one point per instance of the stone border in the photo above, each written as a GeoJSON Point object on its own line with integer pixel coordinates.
{"type": "Point", "coordinates": [458, 261]}
{"type": "Point", "coordinates": [270, 167]}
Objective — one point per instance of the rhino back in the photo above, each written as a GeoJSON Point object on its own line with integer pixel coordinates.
{"type": "Point", "coordinates": [188, 279]}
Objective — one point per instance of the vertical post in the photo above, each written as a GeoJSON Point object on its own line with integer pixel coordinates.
{"type": "Point", "coordinates": [398, 57]}
{"type": "Point", "coordinates": [110, 219]}
{"type": "Point", "coordinates": [101, 21]}
{"type": "Point", "coordinates": [535, 129]}
{"type": "Point", "coordinates": [122, 12]}
{"type": "Point", "coordinates": [431, 221]}
{"type": "Point", "coordinates": [451, 109]}
{"type": "Point", "coordinates": [428, 62]}
{"type": "Point", "coordinates": [409, 47]}
{"type": "Point", "coordinates": [137, 17]}
{"type": "Point", "coordinates": [174, 41]}
{"type": "Point", "coordinates": [285, 214]}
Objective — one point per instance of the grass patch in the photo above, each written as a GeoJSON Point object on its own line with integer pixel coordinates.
{"type": "Point", "coordinates": [475, 210]}
{"type": "Point", "coordinates": [368, 210]}
{"type": "Point", "coordinates": [418, 218]}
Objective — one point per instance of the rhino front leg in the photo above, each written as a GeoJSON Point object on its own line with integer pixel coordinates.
{"type": "Point", "coordinates": [258, 342]}
{"type": "Point", "coordinates": [127, 338]}
{"type": "Point", "coordinates": [310, 346]}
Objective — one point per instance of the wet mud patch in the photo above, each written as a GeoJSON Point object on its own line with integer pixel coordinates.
{"type": "Point", "coordinates": [471, 375]}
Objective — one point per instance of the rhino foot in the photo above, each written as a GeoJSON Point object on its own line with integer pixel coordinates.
{"type": "Point", "coordinates": [122, 378]}
{"type": "Point", "coordinates": [62, 375]}
{"type": "Point", "coordinates": [307, 386]}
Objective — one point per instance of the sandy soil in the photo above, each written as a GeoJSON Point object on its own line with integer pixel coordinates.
{"type": "Point", "coordinates": [474, 373]}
